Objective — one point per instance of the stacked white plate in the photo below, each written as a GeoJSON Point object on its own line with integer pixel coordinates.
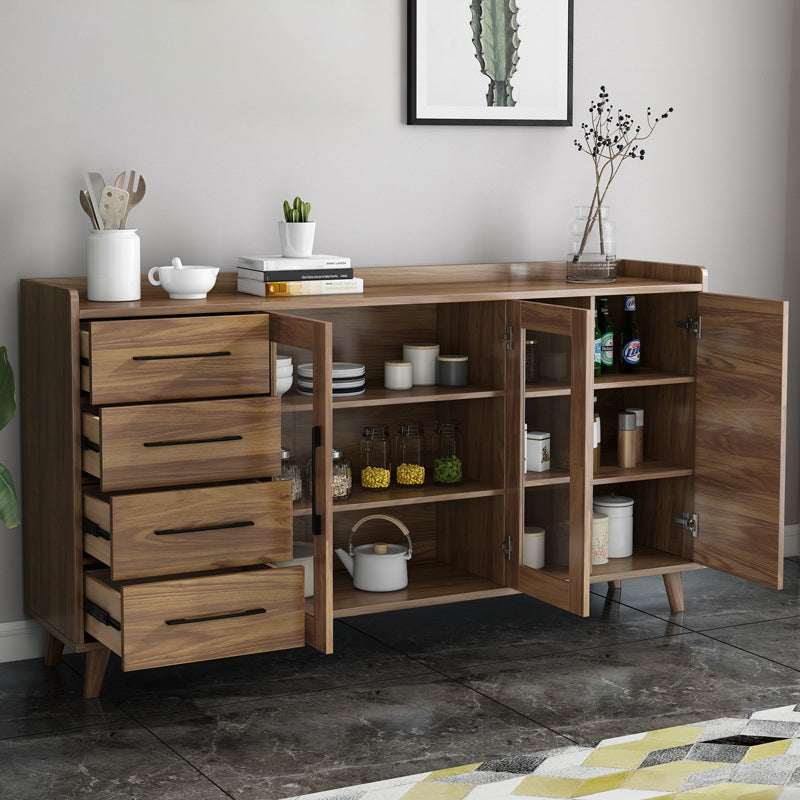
{"type": "Point", "coordinates": [348, 379]}
{"type": "Point", "coordinates": [284, 372]}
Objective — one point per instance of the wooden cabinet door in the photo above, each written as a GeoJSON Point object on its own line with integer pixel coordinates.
{"type": "Point", "coordinates": [568, 488]}
{"type": "Point", "coordinates": [741, 436]}
{"type": "Point", "coordinates": [317, 336]}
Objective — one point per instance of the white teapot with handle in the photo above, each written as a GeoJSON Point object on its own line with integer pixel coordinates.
{"type": "Point", "coordinates": [377, 567]}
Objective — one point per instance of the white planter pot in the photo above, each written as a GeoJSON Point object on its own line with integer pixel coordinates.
{"type": "Point", "coordinates": [297, 238]}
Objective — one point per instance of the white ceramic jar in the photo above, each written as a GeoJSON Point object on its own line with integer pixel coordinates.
{"type": "Point", "coordinates": [599, 539]}
{"type": "Point", "coordinates": [537, 449]}
{"type": "Point", "coordinates": [397, 375]}
{"type": "Point", "coordinates": [620, 523]}
{"type": "Point", "coordinates": [533, 547]}
{"type": "Point", "coordinates": [113, 266]}
{"type": "Point", "coordinates": [423, 358]}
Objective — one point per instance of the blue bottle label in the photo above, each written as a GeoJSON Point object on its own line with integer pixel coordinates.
{"type": "Point", "coordinates": [631, 352]}
{"type": "Point", "coordinates": [630, 302]}
{"type": "Point", "coordinates": [597, 351]}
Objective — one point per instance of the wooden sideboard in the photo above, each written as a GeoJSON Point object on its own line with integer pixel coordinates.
{"type": "Point", "coordinates": [152, 435]}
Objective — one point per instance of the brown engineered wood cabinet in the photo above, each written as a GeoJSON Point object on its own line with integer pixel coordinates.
{"type": "Point", "coordinates": [151, 438]}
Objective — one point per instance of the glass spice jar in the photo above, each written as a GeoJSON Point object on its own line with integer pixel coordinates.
{"type": "Point", "coordinates": [291, 471]}
{"type": "Point", "coordinates": [447, 453]}
{"type": "Point", "coordinates": [410, 454]}
{"type": "Point", "coordinates": [342, 475]}
{"type": "Point", "coordinates": [531, 360]}
{"type": "Point", "coordinates": [376, 458]}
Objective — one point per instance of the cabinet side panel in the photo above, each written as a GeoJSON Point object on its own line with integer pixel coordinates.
{"type": "Point", "coordinates": [49, 406]}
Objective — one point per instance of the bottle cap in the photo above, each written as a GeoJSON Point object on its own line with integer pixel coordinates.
{"type": "Point", "coordinates": [626, 421]}
{"type": "Point", "coordinates": [639, 415]}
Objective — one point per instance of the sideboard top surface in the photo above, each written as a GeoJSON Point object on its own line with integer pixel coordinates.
{"type": "Point", "coordinates": [451, 283]}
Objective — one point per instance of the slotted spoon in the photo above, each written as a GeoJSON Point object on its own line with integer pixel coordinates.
{"type": "Point", "coordinates": [113, 204]}
{"type": "Point", "coordinates": [134, 196]}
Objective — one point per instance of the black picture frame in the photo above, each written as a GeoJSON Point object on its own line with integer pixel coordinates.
{"type": "Point", "coordinates": [445, 91]}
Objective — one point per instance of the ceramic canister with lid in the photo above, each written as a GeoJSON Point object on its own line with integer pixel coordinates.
{"type": "Point", "coordinates": [620, 523]}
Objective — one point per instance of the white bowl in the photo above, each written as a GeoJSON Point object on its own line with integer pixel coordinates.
{"type": "Point", "coordinates": [283, 361]}
{"type": "Point", "coordinates": [282, 385]}
{"type": "Point", "coordinates": [186, 283]}
{"type": "Point", "coordinates": [284, 372]}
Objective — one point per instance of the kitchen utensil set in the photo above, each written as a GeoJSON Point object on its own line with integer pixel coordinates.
{"type": "Point", "coordinates": [106, 206]}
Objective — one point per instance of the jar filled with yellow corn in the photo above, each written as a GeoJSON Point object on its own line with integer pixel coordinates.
{"type": "Point", "coordinates": [410, 454]}
{"type": "Point", "coordinates": [376, 458]}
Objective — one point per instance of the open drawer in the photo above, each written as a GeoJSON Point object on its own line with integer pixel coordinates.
{"type": "Point", "coordinates": [169, 444]}
{"type": "Point", "coordinates": [159, 622]}
{"type": "Point", "coordinates": [146, 534]}
{"type": "Point", "coordinates": [174, 358]}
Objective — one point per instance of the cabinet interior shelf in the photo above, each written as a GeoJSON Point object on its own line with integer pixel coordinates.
{"type": "Point", "coordinates": [406, 495]}
{"type": "Point", "coordinates": [648, 471]}
{"type": "Point", "coordinates": [429, 583]}
{"type": "Point", "coordinates": [551, 388]}
{"type": "Point", "coordinates": [549, 477]}
{"type": "Point", "coordinates": [644, 561]}
{"type": "Point", "coordinates": [379, 396]}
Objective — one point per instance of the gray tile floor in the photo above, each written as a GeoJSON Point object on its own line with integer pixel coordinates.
{"type": "Point", "coordinates": [405, 692]}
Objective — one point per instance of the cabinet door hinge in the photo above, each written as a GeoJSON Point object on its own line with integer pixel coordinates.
{"type": "Point", "coordinates": [689, 521]}
{"type": "Point", "coordinates": [508, 337]}
{"type": "Point", "coordinates": [692, 325]}
{"type": "Point", "coordinates": [506, 547]}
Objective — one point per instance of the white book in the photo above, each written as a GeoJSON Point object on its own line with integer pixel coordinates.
{"type": "Point", "coordinates": [297, 288]}
{"type": "Point", "coordinates": [280, 262]}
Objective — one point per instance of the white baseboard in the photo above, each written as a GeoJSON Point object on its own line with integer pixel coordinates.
{"type": "Point", "coordinates": [791, 540]}
{"type": "Point", "coordinates": [25, 639]}
{"type": "Point", "coordinates": [20, 640]}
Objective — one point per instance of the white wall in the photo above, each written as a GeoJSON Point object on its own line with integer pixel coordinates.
{"type": "Point", "coordinates": [229, 107]}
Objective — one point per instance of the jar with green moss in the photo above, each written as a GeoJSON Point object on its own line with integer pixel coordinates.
{"type": "Point", "coordinates": [447, 453]}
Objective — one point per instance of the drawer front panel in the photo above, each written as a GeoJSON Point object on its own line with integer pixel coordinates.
{"type": "Point", "coordinates": [189, 530]}
{"type": "Point", "coordinates": [173, 358]}
{"type": "Point", "coordinates": [170, 444]}
{"type": "Point", "coordinates": [199, 618]}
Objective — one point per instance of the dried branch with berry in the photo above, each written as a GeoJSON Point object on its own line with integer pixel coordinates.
{"type": "Point", "coordinates": [610, 139]}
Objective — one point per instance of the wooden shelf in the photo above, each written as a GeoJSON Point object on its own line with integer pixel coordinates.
{"type": "Point", "coordinates": [644, 561]}
{"type": "Point", "coordinates": [550, 477]}
{"type": "Point", "coordinates": [649, 471]}
{"type": "Point", "coordinates": [546, 388]}
{"type": "Point", "coordinates": [379, 396]}
{"type": "Point", "coordinates": [644, 377]}
{"type": "Point", "coordinates": [429, 583]}
{"type": "Point", "coordinates": [406, 495]}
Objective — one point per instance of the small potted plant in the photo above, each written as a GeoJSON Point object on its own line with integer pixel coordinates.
{"type": "Point", "coordinates": [9, 509]}
{"type": "Point", "coordinates": [296, 232]}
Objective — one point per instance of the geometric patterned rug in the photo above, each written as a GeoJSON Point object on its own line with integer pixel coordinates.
{"type": "Point", "coordinates": [755, 757]}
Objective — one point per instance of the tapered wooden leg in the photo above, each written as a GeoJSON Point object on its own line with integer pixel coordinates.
{"type": "Point", "coordinates": [673, 583]}
{"type": "Point", "coordinates": [53, 649]}
{"type": "Point", "coordinates": [96, 663]}
{"type": "Point", "coordinates": [613, 585]}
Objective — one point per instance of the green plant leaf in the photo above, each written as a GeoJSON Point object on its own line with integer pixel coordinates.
{"type": "Point", "coordinates": [9, 509]}
{"type": "Point", "coordinates": [287, 211]}
{"type": "Point", "coordinates": [8, 394]}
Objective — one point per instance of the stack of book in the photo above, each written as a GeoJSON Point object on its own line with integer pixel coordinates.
{"type": "Point", "coordinates": [276, 276]}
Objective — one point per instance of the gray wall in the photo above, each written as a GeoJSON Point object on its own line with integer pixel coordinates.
{"type": "Point", "coordinates": [229, 107]}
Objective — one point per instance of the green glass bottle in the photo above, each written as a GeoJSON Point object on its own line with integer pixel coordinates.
{"type": "Point", "coordinates": [597, 345]}
{"type": "Point", "coordinates": [606, 338]}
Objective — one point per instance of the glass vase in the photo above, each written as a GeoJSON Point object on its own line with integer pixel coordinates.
{"type": "Point", "coordinates": [592, 247]}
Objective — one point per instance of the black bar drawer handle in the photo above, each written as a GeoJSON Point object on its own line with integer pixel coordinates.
{"type": "Point", "coordinates": [93, 529]}
{"type": "Point", "coordinates": [194, 441]}
{"type": "Point", "coordinates": [249, 613]}
{"type": "Point", "coordinates": [316, 519]}
{"type": "Point", "coordinates": [182, 355]}
{"type": "Point", "coordinates": [224, 526]}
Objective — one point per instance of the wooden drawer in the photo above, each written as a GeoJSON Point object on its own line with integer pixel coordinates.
{"type": "Point", "coordinates": [174, 358]}
{"type": "Point", "coordinates": [159, 622]}
{"type": "Point", "coordinates": [188, 530]}
{"type": "Point", "coordinates": [169, 444]}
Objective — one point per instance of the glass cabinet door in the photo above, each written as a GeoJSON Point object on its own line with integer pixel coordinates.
{"type": "Point", "coordinates": [550, 496]}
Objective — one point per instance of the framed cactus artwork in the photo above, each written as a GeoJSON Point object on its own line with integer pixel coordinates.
{"type": "Point", "coordinates": [490, 62]}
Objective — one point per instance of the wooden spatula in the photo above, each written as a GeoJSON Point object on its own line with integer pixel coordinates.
{"type": "Point", "coordinates": [113, 203]}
